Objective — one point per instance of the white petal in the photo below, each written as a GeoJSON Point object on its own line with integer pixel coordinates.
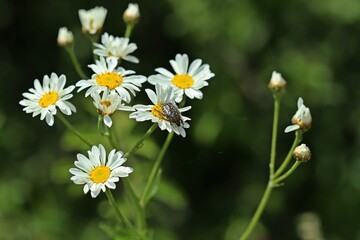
{"type": "Point", "coordinates": [291, 128]}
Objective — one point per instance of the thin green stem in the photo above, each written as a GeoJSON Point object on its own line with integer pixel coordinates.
{"type": "Point", "coordinates": [120, 216]}
{"type": "Point", "coordinates": [93, 38]}
{"type": "Point", "coordinates": [107, 132]}
{"type": "Point", "coordinates": [139, 211]}
{"type": "Point", "coordinates": [72, 128]}
{"type": "Point", "coordinates": [288, 173]}
{"type": "Point", "coordinates": [281, 169]}
{"type": "Point", "coordinates": [258, 212]}
{"type": "Point", "coordinates": [155, 169]}
{"type": "Point", "coordinates": [274, 133]}
{"type": "Point", "coordinates": [74, 60]}
{"type": "Point", "coordinates": [128, 31]}
{"type": "Point", "coordinates": [141, 140]}
{"type": "Point", "coordinates": [113, 139]}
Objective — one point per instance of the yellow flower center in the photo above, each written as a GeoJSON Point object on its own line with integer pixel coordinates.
{"type": "Point", "coordinates": [183, 81]}
{"type": "Point", "coordinates": [106, 104]}
{"type": "Point", "coordinates": [100, 174]}
{"type": "Point", "coordinates": [156, 110]}
{"type": "Point", "coordinates": [110, 80]}
{"type": "Point", "coordinates": [48, 99]}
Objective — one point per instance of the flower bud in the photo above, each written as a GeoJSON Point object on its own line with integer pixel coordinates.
{"type": "Point", "coordinates": [131, 14]}
{"type": "Point", "coordinates": [277, 83]}
{"type": "Point", "coordinates": [92, 20]}
{"type": "Point", "coordinates": [302, 153]}
{"type": "Point", "coordinates": [302, 118]}
{"type": "Point", "coordinates": [65, 37]}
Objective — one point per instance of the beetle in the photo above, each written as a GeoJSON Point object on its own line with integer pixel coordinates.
{"type": "Point", "coordinates": [171, 113]}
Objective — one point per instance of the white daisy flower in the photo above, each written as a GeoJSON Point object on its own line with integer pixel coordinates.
{"type": "Point", "coordinates": [164, 111]}
{"type": "Point", "coordinates": [106, 77]}
{"type": "Point", "coordinates": [132, 13]}
{"type": "Point", "coordinates": [187, 80]}
{"type": "Point", "coordinates": [108, 104]}
{"type": "Point", "coordinates": [65, 37]}
{"type": "Point", "coordinates": [302, 118]}
{"type": "Point", "coordinates": [98, 172]}
{"type": "Point", "coordinates": [92, 20]}
{"type": "Point", "coordinates": [116, 47]}
{"type": "Point", "coordinates": [44, 99]}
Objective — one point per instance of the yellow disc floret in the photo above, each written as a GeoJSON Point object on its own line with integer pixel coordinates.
{"type": "Point", "coordinates": [104, 110]}
{"type": "Point", "coordinates": [156, 110]}
{"type": "Point", "coordinates": [105, 103]}
{"type": "Point", "coordinates": [183, 81]}
{"type": "Point", "coordinates": [110, 80]}
{"type": "Point", "coordinates": [48, 99]}
{"type": "Point", "coordinates": [100, 174]}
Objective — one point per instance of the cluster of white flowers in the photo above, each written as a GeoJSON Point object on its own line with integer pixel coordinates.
{"type": "Point", "coordinates": [113, 88]}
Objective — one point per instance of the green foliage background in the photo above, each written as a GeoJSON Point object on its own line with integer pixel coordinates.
{"type": "Point", "coordinates": [214, 178]}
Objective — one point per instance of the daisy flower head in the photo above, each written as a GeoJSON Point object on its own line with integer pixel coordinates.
{"type": "Point", "coordinates": [107, 104]}
{"type": "Point", "coordinates": [302, 118]}
{"type": "Point", "coordinates": [107, 77]}
{"type": "Point", "coordinates": [92, 20]}
{"type": "Point", "coordinates": [116, 47]}
{"type": "Point", "coordinates": [44, 99]}
{"type": "Point", "coordinates": [187, 79]}
{"type": "Point", "coordinates": [164, 111]}
{"type": "Point", "coordinates": [98, 171]}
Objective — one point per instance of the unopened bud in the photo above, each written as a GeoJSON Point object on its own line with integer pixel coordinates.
{"type": "Point", "coordinates": [131, 14]}
{"type": "Point", "coordinates": [277, 83]}
{"type": "Point", "coordinates": [302, 153]}
{"type": "Point", "coordinates": [65, 37]}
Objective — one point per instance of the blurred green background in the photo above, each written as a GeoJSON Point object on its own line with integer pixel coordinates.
{"type": "Point", "coordinates": [213, 178]}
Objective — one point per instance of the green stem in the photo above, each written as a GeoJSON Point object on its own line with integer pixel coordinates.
{"type": "Point", "coordinates": [258, 212]}
{"type": "Point", "coordinates": [281, 169]}
{"type": "Point", "coordinates": [141, 140]}
{"type": "Point", "coordinates": [155, 169]}
{"type": "Point", "coordinates": [72, 128]}
{"type": "Point", "coordinates": [139, 211]}
{"type": "Point", "coordinates": [120, 216]}
{"type": "Point", "coordinates": [128, 31]}
{"type": "Point", "coordinates": [274, 133]}
{"type": "Point", "coordinates": [287, 174]}
{"type": "Point", "coordinates": [112, 139]}
{"type": "Point", "coordinates": [93, 38]}
{"type": "Point", "coordinates": [74, 60]}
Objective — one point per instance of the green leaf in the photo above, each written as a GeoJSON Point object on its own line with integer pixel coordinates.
{"type": "Point", "coordinates": [118, 233]}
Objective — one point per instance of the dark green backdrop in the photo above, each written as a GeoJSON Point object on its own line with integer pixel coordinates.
{"type": "Point", "coordinates": [219, 171]}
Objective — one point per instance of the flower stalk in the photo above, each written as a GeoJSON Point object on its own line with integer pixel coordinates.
{"type": "Point", "coordinates": [122, 219]}
{"type": "Point", "coordinates": [154, 170]}
{"type": "Point", "coordinates": [289, 156]}
{"type": "Point", "coordinates": [275, 176]}
{"type": "Point", "coordinates": [258, 212]}
{"type": "Point", "coordinates": [73, 129]}
{"type": "Point", "coordinates": [139, 143]}
{"type": "Point", "coordinates": [74, 60]}
{"type": "Point", "coordinates": [274, 132]}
